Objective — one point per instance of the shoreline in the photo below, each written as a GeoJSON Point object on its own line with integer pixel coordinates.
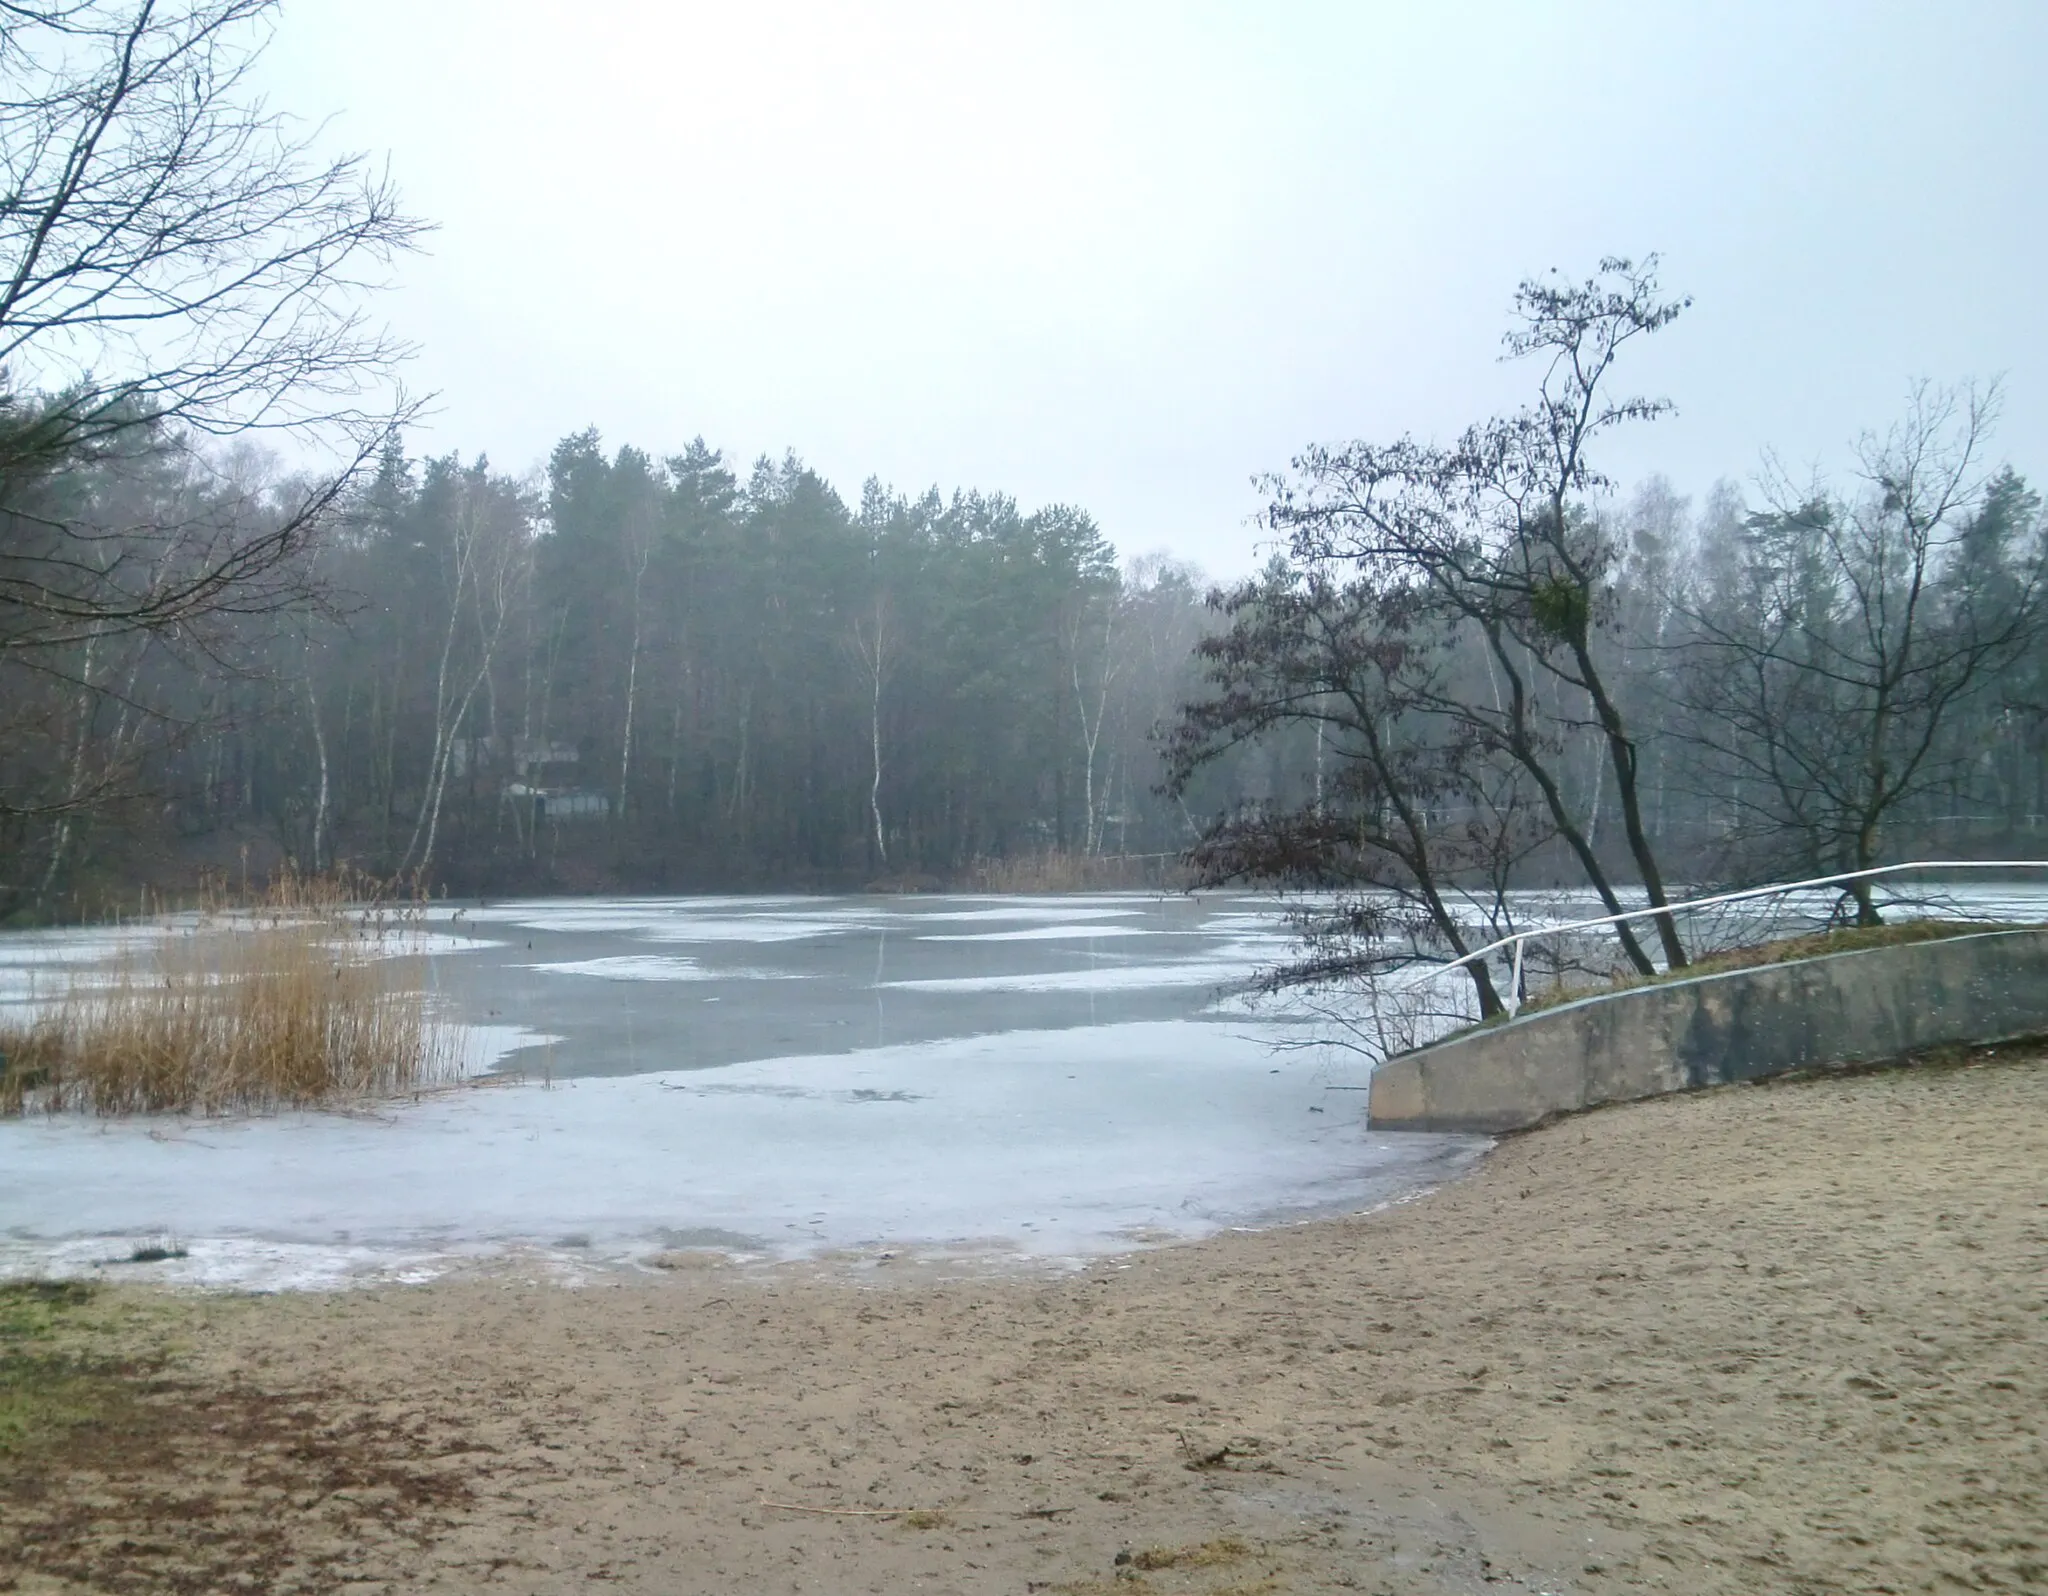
{"type": "Point", "coordinates": [1787, 1337]}
{"type": "Point", "coordinates": [1051, 1144]}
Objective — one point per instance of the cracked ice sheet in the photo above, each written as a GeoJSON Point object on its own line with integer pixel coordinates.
{"type": "Point", "coordinates": [653, 967]}
{"type": "Point", "coordinates": [47, 988]}
{"type": "Point", "coordinates": [1027, 1145]}
{"type": "Point", "coordinates": [1104, 978]}
{"type": "Point", "coordinates": [1231, 964]}
{"type": "Point", "coordinates": [410, 943]}
{"type": "Point", "coordinates": [659, 924]}
{"type": "Point", "coordinates": [34, 950]}
{"type": "Point", "coordinates": [781, 919]}
{"type": "Point", "coordinates": [474, 1050]}
{"type": "Point", "coordinates": [1052, 910]}
{"type": "Point", "coordinates": [763, 928]}
{"type": "Point", "coordinates": [778, 928]}
{"type": "Point", "coordinates": [1038, 933]}
{"type": "Point", "coordinates": [647, 914]}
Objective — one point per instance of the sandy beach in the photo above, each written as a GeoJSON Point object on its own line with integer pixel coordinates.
{"type": "Point", "coordinates": [1783, 1338]}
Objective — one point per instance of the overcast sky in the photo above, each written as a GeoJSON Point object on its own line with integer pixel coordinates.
{"type": "Point", "coordinates": [1128, 255]}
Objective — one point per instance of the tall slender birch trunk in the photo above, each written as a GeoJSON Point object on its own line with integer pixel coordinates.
{"type": "Point", "coordinates": [871, 655]}
{"type": "Point", "coordinates": [642, 552]}
{"type": "Point", "coordinates": [320, 800]}
{"type": "Point", "coordinates": [1091, 726]}
{"type": "Point", "coordinates": [485, 574]}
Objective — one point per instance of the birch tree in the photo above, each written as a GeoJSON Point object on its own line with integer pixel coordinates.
{"type": "Point", "coordinates": [1091, 701]}
{"type": "Point", "coordinates": [870, 646]}
{"type": "Point", "coordinates": [486, 548]}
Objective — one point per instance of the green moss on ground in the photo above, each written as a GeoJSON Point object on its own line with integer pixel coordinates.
{"type": "Point", "coordinates": [63, 1364]}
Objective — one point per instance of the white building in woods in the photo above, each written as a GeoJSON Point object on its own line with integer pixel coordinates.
{"type": "Point", "coordinates": [544, 776]}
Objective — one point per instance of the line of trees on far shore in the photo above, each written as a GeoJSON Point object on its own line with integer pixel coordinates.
{"type": "Point", "coordinates": [1467, 667]}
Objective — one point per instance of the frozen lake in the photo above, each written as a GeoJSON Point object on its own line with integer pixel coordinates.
{"type": "Point", "coordinates": [973, 1080]}
{"type": "Point", "coordinates": [969, 1079]}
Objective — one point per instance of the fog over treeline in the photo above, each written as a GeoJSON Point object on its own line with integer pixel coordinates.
{"type": "Point", "coordinates": [645, 672]}
{"type": "Point", "coordinates": [1468, 665]}
{"type": "Point", "coordinates": [641, 671]}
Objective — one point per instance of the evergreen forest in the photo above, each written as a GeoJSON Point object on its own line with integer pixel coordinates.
{"type": "Point", "coordinates": [1466, 665]}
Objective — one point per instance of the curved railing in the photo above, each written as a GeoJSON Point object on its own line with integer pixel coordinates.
{"type": "Point", "coordinates": [1519, 940]}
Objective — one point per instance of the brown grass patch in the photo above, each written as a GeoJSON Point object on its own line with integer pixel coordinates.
{"type": "Point", "coordinates": [1127, 1578]}
{"type": "Point", "coordinates": [1786, 950]}
{"type": "Point", "coordinates": [303, 998]}
{"type": "Point", "coordinates": [1208, 1554]}
{"type": "Point", "coordinates": [115, 1475]}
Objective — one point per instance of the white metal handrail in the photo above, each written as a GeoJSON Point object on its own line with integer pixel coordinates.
{"type": "Point", "coordinates": [1519, 939]}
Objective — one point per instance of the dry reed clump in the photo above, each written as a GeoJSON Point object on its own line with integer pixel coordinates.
{"type": "Point", "coordinates": [304, 998]}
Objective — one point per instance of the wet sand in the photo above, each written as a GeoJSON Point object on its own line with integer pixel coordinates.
{"type": "Point", "coordinates": [1783, 1338]}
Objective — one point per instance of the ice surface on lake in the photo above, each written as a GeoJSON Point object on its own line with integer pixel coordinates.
{"type": "Point", "coordinates": [667, 919]}
{"type": "Point", "coordinates": [47, 958]}
{"type": "Point", "coordinates": [767, 928]}
{"type": "Point", "coordinates": [37, 989]}
{"type": "Point", "coordinates": [34, 950]}
{"type": "Point", "coordinates": [410, 942]}
{"type": "Point", "coordinates": [630, 967]}
{"type": "Point", "coordinates": [1037, 933]}
{"type": "Point", "coordinates": [669, 925]}
{"type": "Point", "coordinates": [1106, 978]}
{"type": "Point", "coordinates": [653, 967]}
{"type": "Point", "coordinates": [1279, 1008]}
{"type": "Point", "coordinates": [1038, 1077]}
{"type": "Point", "coordinates": [1052, 909]}
{"type": "Point", "coordinates": [919, 1075]}
{"type": "Point", "coordinates": [239, 1262]}
{"type": "Point", "coordinates": [479, 1049]}
{"type": "Point", "coordinates": [1037, 1144]}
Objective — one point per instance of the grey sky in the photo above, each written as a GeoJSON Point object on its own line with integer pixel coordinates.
{"type": "Point", "coordinates": [1126, 255]}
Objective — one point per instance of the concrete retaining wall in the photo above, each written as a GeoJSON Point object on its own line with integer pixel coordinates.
{"type": "Point", "coordinates": [1845, 1008]}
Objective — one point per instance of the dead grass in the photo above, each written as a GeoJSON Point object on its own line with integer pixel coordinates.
{"type": "Point", "coordinates": [304, 997]}
{"type": "Point", "coordinates": [118, 1474]}
{"type": "Point", "coordinates": [1208, 1554]}
{"type": "Point", "coordinates": [1190, 1564]}
{"type": "Point", "coordinates": [1814, 945]}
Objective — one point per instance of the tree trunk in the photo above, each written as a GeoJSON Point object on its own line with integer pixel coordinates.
{"type": "Point", "coordinates": [1523, 750]}
{"type": "Point", "coordinates": [321, 798]}
{"type": "Point", "coordinates": [1622, 755]}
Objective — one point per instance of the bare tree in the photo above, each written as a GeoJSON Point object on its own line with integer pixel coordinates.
{"type": "Point", "coordinates": [487, 553]}
{"type": "Point", "coordinates": [1415, 829]}
{"type": "Point", "coordinates": [177, 267]}
{"type": "Point", "coordinates": [1828, 667]}
{"type": "Point", "coordinates": [1496, 527]}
